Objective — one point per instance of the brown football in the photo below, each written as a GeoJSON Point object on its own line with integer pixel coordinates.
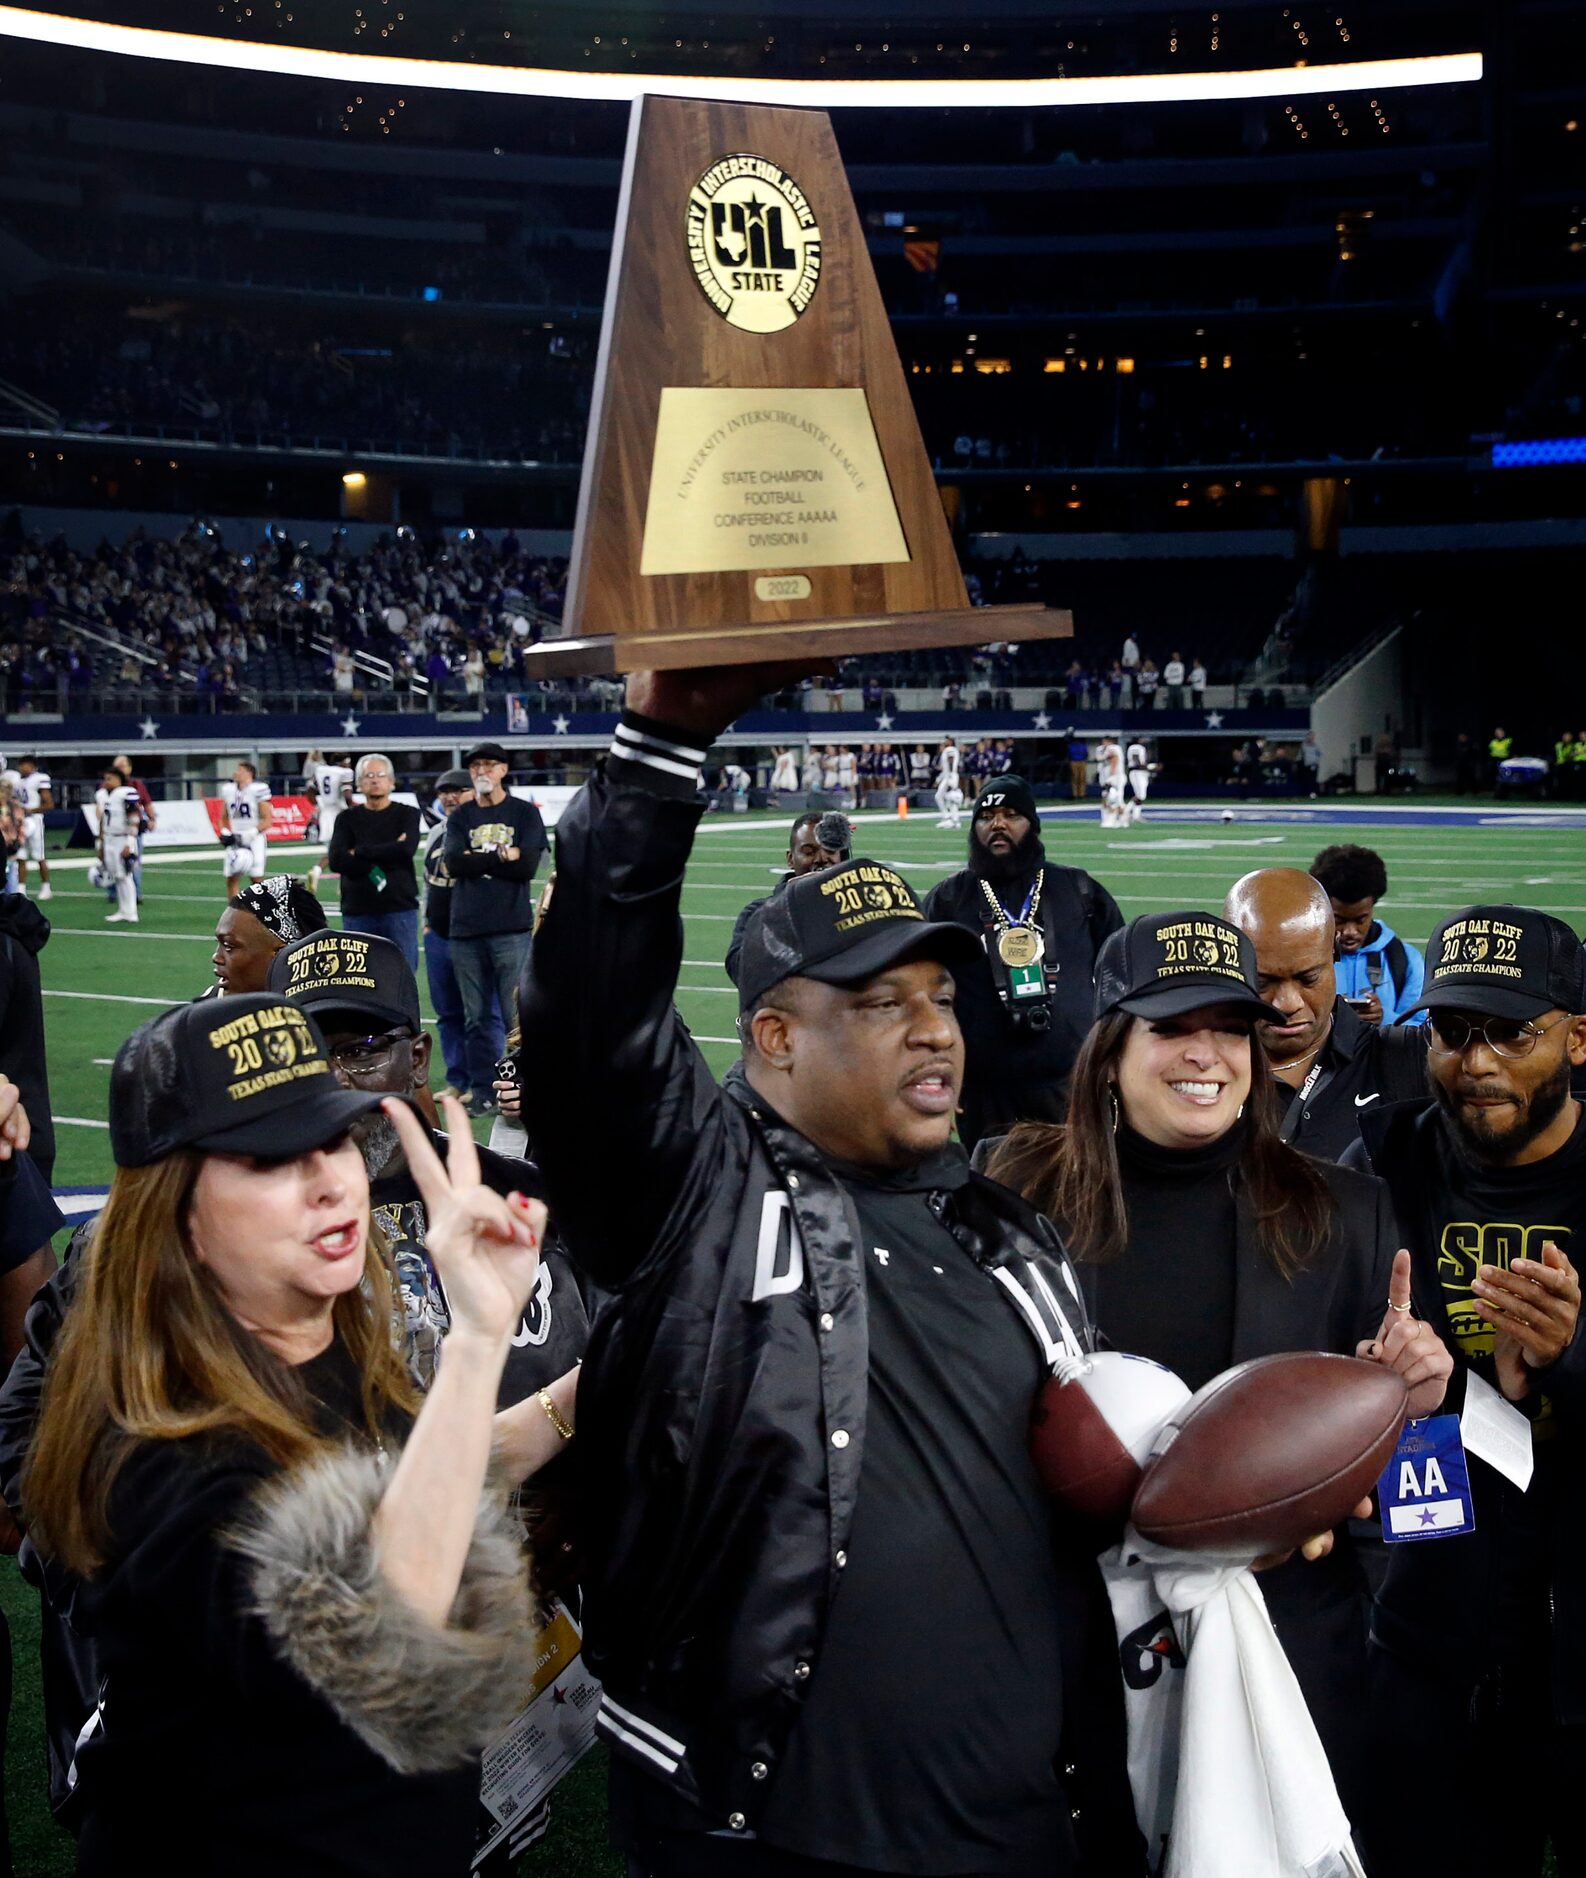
{"type": "Point", "coordinates": [1092, 1429]}
{"type": "Point", "coordinates": [1270, 1453]}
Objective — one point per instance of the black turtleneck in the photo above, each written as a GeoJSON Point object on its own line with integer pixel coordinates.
{"type": "Point", "coordinates": [1170, 1294]}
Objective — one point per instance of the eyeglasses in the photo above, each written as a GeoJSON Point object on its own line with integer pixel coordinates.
{"type": "Point", "coordinates": [364, 1056]}
{"type": "Point", "coordinates": [1452, 1034]}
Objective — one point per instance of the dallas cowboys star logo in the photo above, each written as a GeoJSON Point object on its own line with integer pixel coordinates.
{"type": "Point", "coordinates": [1042, 721]}
{"type": "Point", "coordinates": [560, 725]}
{"type": "Point", "coordinates": [883, 722]}
{"type": "Point", "coordinates": [349, 726]}
{"type": "Point", "coordinates": [148, 730]}
{"type": "Point", "coordinates": [1214, 720]}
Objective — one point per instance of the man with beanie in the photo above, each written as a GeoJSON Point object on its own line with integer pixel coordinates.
{"type": "Point", "coordinates": [1025, 1004]}
{"type": "Point", "coordinates": [492, 846]}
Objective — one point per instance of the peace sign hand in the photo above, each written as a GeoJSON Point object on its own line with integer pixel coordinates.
{"type": "Point", "coordinates": [1409, 1347]}
{"type": "Point", "coordinates": [486, 1248]}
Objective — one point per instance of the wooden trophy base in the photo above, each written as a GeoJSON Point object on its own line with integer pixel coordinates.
{"type": "Point", "coordinates": [763, 642]}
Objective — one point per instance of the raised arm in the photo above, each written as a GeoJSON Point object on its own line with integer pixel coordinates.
{"type": "Point", "coordinates": [629, 1116]}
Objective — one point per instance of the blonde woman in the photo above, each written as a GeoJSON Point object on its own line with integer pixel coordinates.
{"type": "Point", "coordinates": [310, 1613]}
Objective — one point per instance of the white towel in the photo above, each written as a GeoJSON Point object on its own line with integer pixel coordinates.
{"type": "Point", "coordinates": [1229, 1778]}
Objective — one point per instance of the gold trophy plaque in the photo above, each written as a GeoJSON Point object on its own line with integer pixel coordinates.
{"type": "Point", "coordinates": [754, 486]}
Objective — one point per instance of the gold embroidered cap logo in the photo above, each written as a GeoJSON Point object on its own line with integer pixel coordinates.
{"type": "Point", "coordinates": [1197, 946]}
{"type": "Point", "coordinates": [867, 892]}
{"type": "Point", "coordinates": [265, 1049]}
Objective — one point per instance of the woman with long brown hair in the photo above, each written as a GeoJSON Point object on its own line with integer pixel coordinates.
{"type": "Point", "coordinates": [1203, 1239]}
{"type": "Point", "coordinates": [310, 1613]}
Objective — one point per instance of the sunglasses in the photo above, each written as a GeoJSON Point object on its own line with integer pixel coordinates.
{"type": "Point", "coordinates": [1452, 1034]}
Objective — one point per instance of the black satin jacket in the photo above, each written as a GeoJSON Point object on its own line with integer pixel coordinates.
{"type": "Point", "coordinates": [722, 1398]}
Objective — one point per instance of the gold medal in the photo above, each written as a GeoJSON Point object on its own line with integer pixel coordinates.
{"type": "Point", "coordinates": [1019, 946]}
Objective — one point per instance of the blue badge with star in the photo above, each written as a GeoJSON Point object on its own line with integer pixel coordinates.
{"type": "Point", "coordinates": [1424, 1491]}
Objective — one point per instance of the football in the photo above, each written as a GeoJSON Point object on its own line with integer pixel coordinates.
{"type": "Point", "coordinates": [1092, 1430]}
{"type": "Point", "coordinates": [1270, 1453]}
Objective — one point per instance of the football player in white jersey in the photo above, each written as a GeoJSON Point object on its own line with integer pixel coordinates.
{"type": "Point", "coordinates": [332, 781]}
{"type": "Point", "coordinates": [1137, 760]}
{"type": "Point", "coordinates": [33, 787]}
{"type": "Point", "coordinates": [120, 819]}
{"type": "Point", "coordinates": [949, 791]}
{"type": "Point", "coordinates": [246, 823]}
{"type": "Point", "coordinates": [1110, 775]}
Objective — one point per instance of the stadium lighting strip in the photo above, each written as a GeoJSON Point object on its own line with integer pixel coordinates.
{"type": "Point", "coordinates": [144, 42]}
{"type": "Point", "coordinates": [1540, 450]}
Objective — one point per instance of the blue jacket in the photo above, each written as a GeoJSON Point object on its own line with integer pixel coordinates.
{"type": "Point", "coordinates": [1371, 969]}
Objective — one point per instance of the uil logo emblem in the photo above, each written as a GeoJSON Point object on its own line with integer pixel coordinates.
{"type": "Point", "coordinates": [753, 243]}
{"type": "Point", "coordinates": [1475, 950]}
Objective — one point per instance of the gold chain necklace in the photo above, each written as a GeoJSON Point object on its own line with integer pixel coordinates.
{"type": "Point", "coordinates": [1019, 943]}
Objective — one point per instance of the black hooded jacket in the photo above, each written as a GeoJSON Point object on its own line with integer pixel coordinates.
{"type": "Point", "coordinates": [722, 1403]}
{"type": "Point", "coordinates": [24, 932]}
{"type": "Point", "coordinates": [1013, 1073]}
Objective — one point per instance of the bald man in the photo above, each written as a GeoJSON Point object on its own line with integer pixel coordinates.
{"type": "Point", "coordinates": [1329, 1067]}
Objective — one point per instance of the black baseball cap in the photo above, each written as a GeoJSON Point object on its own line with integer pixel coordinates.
{"type": "Point", "coordinates": [486, 753]}
{"type": "Point", "coordinates": [356, 972]}
{"type": "Point", "coordinates": [1506, 961]}
{"type": "Point", "coordinates": [1164, 964]}
{"type": "Point", "coordinates": [243, 1075]}
{"type": "Point", "coordinates": [842, 925]}
{"type": "Point", "coordinates": [453, 779]}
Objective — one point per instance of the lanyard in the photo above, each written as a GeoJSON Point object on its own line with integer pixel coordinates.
{"type": "Point", "coordinates": [1031, 900]}
{"type": "Point", "coordinates": [1321, 1074]}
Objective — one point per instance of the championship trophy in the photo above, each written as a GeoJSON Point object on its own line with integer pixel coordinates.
{"type": "Point", "coordinates": [754, 486]}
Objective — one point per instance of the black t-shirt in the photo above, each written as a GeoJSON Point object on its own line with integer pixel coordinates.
{"type": "Point", "coordinates": [929, 1738]}
{"type": "Point", "coordinates": [1479, 1215]}
{"type": "Point", "coordinates": [1170, 1294]}
{"type": "Point", "coordinates": [1360, 1065]}
{"type": "Point", "coordinates": [491, 895]}
{"type": "Point", "coordinates": [366, 840]}
{"type": "Point", "coordinates": [215, 1755]}
{"type": "Point", "coordinates": [1487, 1595]}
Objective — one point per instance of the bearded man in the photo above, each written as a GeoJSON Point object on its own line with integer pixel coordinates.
{"type": "Point", "coordinates": [1025, 1004]}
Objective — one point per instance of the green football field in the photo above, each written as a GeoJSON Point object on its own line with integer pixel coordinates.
{"type": "Point", "coordinates": [101, 981]}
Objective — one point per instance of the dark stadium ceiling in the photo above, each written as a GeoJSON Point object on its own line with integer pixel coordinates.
{"type": "Point", "coordinates": [834, 38]}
